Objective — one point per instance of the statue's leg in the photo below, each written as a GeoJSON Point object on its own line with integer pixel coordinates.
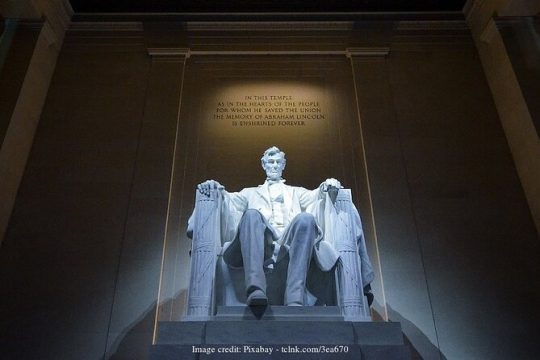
{"type": "Point", "coordinates": [251, 235]}
{"type": "Point", "coordinates": [303, 231]}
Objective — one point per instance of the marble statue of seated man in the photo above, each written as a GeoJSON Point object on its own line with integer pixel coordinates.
{"type": "Point", "coordinates": [262, 224]}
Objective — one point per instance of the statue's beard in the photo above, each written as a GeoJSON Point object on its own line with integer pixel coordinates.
{"type": "Point", "coordinates": [274, 175]}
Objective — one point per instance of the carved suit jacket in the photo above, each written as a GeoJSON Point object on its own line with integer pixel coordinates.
{"type": "Point", "coordinates": [295, 200]}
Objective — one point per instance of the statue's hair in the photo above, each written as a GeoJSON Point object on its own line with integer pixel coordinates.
{"type": "Point", "coordinates": [271, 151]}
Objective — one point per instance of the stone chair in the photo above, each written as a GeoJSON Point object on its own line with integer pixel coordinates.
{"type": "Point", "coordinates": [213, 283]}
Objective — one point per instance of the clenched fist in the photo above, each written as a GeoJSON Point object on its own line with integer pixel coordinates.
{"type": "Point", "coordinates": [330, 183]}
{"type": "Point", "coordinates": [208, 185]}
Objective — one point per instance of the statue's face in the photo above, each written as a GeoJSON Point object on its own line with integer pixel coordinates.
{"type": "Point", "coordinates": [274, 166]}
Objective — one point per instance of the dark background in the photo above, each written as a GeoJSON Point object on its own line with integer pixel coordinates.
{"type": "Point", "coordinates": [264, 5]}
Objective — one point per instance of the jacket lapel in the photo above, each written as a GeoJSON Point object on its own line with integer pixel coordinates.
{"type": "Point", "coordinates": [264, 193]}
{"type": "Point", "coordinates": [288, 194]}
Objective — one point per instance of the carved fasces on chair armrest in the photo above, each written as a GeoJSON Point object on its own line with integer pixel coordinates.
{"type": "Point", "coordinates": [341, 222]}
{"type": "Point", "coordinates": [205, 227]}
{"type": "Point", "coordinates": [205, 218]}
{"type": "Point", "coordinates": [341, 216]}
{"type": "Point", "coordinates": [201, 202]}
{"type": "Point", "coordinates": [341, 199]}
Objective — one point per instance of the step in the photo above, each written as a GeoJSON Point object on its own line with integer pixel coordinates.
{"type": "Point", "coordinates": [279, 332]}
{"type": "Point", "coordinates": [285, 313]}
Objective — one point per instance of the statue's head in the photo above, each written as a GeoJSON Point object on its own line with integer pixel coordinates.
{"type": "Point", "coordinates": [273, 162]}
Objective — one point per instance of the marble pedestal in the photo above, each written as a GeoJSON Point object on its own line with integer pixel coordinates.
{"type": "Point", "coordinates": [278, 332]}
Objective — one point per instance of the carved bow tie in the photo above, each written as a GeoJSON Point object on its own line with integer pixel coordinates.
{"type": "Point", "coordinates": [272, 182]}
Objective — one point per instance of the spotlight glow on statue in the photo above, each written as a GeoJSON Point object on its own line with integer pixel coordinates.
{"type": "Point", "coordinates": [267, 222]}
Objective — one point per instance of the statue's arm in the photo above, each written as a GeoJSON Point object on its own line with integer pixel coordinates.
{"type": "Point", "coordinates": [233, 206]}
{"type": "Point", "coordinates": [233, 200]}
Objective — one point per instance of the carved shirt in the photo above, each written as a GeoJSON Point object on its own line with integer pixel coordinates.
{"type": "Point", "coordinates": [277, 204]}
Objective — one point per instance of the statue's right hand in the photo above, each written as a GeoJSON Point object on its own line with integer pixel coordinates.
{"type": "Point", "coordinates": [208, 185]}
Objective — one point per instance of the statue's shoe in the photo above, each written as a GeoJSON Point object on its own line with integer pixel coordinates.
{"type": "Point", "coordinates": [257, 298]}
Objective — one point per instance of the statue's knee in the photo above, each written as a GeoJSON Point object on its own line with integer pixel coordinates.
{"type": "Point", "coordinates": [251, 215]}
{"type": "Point", "coordinates": [306, 220]}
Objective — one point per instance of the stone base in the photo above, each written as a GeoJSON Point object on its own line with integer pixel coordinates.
{"type": "Point", "coordinates": [279, 333]}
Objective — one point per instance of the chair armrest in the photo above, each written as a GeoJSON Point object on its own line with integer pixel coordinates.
{"type": "Point", "coordinates": [204, 226]}
{"type": "Point", "coordinates": [342, 229]}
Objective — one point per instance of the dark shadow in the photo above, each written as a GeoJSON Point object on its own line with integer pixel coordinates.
{"type": "Point", "coordinates": [136, 339]}
{"type": "Point", "coordinates": [258, 311]}
{"type": "Point", "coordinates": [421, 341]}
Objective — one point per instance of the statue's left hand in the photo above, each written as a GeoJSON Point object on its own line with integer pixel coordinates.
{"type": "Point", "coordinates": [329, 183]}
